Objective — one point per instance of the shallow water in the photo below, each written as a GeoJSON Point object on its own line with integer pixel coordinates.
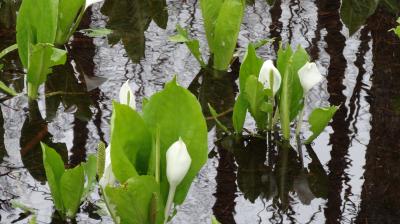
{"type": "Point", "coordinates": [349, 175]}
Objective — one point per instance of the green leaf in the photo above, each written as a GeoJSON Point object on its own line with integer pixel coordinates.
{"type": "Point", "coordinates": [96, 32]}
{"type": "Point", "coordinates": [68, 11]}
{"type": "Point", "coordinates": [214, 220]}
{"type": "Point", "coordinates": [193, 45]}
{"type": "Point", "coordinates": [210, 10]}
{"type": "Point", "coordinates": [251, 65]}
{"type": "Point", "coordinates": [71, 189]}
{"type": "Point", "coordinates": [291, 92]}
{"type": "Point", "coordinates": [226, 33]}
{"type": "Point", "coordinates": [354, 13]}
{"type": "Point", "coordinates": [177, 113]}
{"type": "Point", "coordinates": [36, 23]}
{"type": "Point", "coordinates": [90, 168]}
{"type": "Point", "coordinates": [133, 203]}
{"type": "Point", "coordinates": [130, 143]}
{"type": "Point", "coordinates": [319, 119]}
{"type": "Point", "coordinates": [6, 89]}
{"type": "Point", "coordinates": [254, 93]}
{"type": "Point", "coordinates": [54, 167]}
{"type": "Point", "coordinates": [397, 29]}
{"type": "Point", "coordinates": [41, 58]}
{"type": "Point", "coordinates": [8, 50]}
{"type": "Point", "coordinates": [214, 114]}
{"type": "Point", "coordinates": [239, 113]}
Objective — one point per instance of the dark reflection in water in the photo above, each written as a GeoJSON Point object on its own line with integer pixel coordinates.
{"type": "Point", "coordinates": [218, 89]}
{"type": "Point", "coordinates": [255, 180]}
{"type": "Point", "coordinates": [329, 18]}
{"type": "Point", "coordinates": [380, 192]}
{"type": "Point", "coordinates": [34, 131]}
{"type": "Point", "coordinates": [129, 19]}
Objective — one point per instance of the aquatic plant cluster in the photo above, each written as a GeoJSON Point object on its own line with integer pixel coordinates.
{"type": "Point", "coordinates": [155, 154]}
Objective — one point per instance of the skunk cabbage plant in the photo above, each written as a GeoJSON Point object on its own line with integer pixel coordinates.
{"type": "Point", "coordinates": [68, 186]}
{"type": "Point", "coordinates": [222, 20]}
{"type": "Point", "coordinates": [41, 25]}
{"type": "Point", "coordinates": [146, 148]}
{"type": "Point", "coordinates": [262, 84]}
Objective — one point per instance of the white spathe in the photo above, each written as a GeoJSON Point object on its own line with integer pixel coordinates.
{"type": "Point", "coordinates": [91, 2]}
{"type": "Point", "coordinates": [108, 177]}
{"type": "Point", "coordinates": [126, 95]}
{"type": "Point", "coordinates": [264, 77]}
{"type": "Point", "coordinates": [309, 76]}
{"type": "Point", "coordinates": [178, 162]}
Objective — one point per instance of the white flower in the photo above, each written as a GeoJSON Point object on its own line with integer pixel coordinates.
{"type": "Point", "coordinates": [264, 77]}
{"type": "Point", "coordinates": [309, 76]}
{"type": "Point", "coordinates": [91, 2]}
{"type": "Point", "coordinates": [108, 177]}
{"type": "Point", "coordinates": [126, 95]}
{"type": "Point", "coordinates": [178, 164]}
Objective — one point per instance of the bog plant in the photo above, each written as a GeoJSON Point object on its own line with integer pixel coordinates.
{"type": "Point", "coordinates": [153, 155]}
{"type": "Point", "coordinates": [41, 26]}
{"type": "Point", "coordinates": [222, 20]}
{"type": "Point", "coordinates": [68, 186]}
{"type": "Point", "coordinates": [273, 94]}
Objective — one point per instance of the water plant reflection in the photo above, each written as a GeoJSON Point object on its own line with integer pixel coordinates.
{"type": "Point", "coordinates": [276, 172]}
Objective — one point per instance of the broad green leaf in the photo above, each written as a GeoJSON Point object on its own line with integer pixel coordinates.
{"type": "Point", "coordinates": [41, 58]}
{"type": "Point", "coordinates": [71, 188]}
{"type": "Point", "coordinates": [226, 33]}
{"type": "Point", "coordinates": [130, 143]}
{"type": "Point", "coordinates": [193, 45]}
{"type": "Point", "coordinates": [210, 10]}
{"type": "Point", "coordinates": [6, 89]}
{"type": "Point", "coordinates": [177, 113]}
{"type": "Point", "coordinates": [319, 119]}
{"type": "Point", "coordinates": [54, 167]}
{"type": "Point", "coordinates": [354, 13]}
{"type": "Point", "coordinates": [299, 59]}
{"type": "Point", "coordinates": [251, 65]}
{"type": "Point", "coordinates": [36, 23]}
{"type": "Point", "coordinates": [90, 168]}
{"type": "Point", "coordinates": [68, 11]}
{"type": "Point", "coordinates": [138, 201]}
{"type": "Point", "coordinates": [291, 92]}
{"type": "Point", "coordinates": [254, 93]}
{"type": "Point", "coordinates": [239, 113]}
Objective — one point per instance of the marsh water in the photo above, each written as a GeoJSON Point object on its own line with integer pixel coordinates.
{"type": "Point", "coordinates": [350, 174]}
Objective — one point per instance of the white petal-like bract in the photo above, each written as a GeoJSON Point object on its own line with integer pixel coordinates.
{"type": "Point", "coordinates": [309, 76]}
{"type": "Point", "coordinates": [178, 162]}
{"type": "Point", "coordinates": [126, 95]}
{"type": "Point", "coordinates": [264, 77]}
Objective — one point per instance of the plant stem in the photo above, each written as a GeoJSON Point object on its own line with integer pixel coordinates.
{"type": "Point", "coordinates": [32, 91]}
{"type": "Point", "coordinates": [171, 195]}
{"type": "Point", "coordinates": [157, 172]}
{"type": "Point", "coordinates": [285, 105]}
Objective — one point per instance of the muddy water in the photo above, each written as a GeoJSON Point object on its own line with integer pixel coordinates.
{"type": "Point", "coordinates": [349, 175]}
